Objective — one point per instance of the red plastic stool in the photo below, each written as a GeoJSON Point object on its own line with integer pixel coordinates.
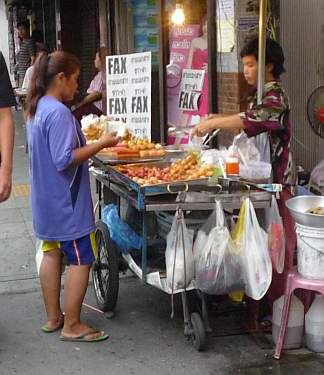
{"type": "Point", "coordinates": [294, 281]}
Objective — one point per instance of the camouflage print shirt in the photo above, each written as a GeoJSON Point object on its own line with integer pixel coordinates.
{"type": "Point", "coordinates": [272, 116]}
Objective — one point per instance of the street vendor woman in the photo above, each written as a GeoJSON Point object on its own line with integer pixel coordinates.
{"type": "Point", "coordinates": [271, 117]}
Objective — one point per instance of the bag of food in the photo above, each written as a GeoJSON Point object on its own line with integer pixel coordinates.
{"type": "Point", "coordinates": [276, 237]}
{"type": "Point", "coordinates": [253, 242]}
{"type": "Point", "coordinates": [217, 261]}
{"type": "Point", "coordinates": [178, 255]}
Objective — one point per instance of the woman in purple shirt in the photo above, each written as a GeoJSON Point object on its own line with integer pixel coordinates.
{"type": "Point", "coordinates": [60, 192]}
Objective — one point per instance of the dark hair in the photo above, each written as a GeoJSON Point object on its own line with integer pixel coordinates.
{"type": "Point", "coordinates": [37, 36]}
{"type": "Point", "coordinates": [201, 25]}
{"type": "Point", "coordinates": [45, 69]}
{"type": "Point", "coordinates": [274, 54]}
{"type": "Point", "coordinates": [24, 24]}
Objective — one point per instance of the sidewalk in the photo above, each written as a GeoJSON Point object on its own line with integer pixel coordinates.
{"type": "Point", "coordinates": [17, 258]}
{"type": "Point", "coordinates": [143, 339]}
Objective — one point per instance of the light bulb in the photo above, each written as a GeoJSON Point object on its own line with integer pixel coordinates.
{"type": "Point", "coordinates": [178, 16]}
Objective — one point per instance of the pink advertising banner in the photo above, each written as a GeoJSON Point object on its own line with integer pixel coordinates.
{"type": "Point", "coordinates": [180, 42]}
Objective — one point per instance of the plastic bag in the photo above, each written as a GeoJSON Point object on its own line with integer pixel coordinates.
{"type": "Point", "coordinates": [252, 240]}
{"type": "Point", "coordinates": [120, 232]}
{"type": "Point", "coordinates": [276, 237]}
{"type": "Point", "coordinates": [246, 147]}
{"type": "Point", "coordinates": [217, 261]}
{"type": "Point", "coordinates": [178, 255]}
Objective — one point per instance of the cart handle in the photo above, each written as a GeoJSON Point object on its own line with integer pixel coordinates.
{"type": "Point", "coordinates": [186, 188]}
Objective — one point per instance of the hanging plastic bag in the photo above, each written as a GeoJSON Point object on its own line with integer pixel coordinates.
{"type": "Point", "coordinates": [276, 237]}
{"type": "Point", "coordinates": [217, 261]}
{"type": "Point", "coordinates": [253, 242]}
{"type": "Point", "coordinates": [178, 255]}
{"type": "Point", "coordinates": [120, 232]}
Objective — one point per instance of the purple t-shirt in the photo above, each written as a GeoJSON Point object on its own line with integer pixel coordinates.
{"type": "Point", "coordinates": [60, 191]}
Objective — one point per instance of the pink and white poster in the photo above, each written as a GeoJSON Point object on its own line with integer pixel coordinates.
{"type": "Point", "coordinates": [180, 43]}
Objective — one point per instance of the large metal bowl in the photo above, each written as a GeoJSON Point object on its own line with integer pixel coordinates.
{"type": "Point", "coordinates": [298, 207]}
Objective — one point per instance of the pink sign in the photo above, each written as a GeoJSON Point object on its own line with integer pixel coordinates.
{"type": "Point", "coordinates": [180, 42]}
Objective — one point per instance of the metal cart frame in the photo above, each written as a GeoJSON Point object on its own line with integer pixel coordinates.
{"type": "Point", "coordinates": [147, 199]}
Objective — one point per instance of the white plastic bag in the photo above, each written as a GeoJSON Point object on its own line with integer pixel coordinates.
{"type": "Point", "coordinates": [253, 242]}
{"type": "Point", "coordinates": [317, 175]}
{"type": "Point", "coordinates": [217, 261]}
{"type": "Point", "coordinates": [276, 237]}
{"type": "Point", "coordinates": [178, 255]}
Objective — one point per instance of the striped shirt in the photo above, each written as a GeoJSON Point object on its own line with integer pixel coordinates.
{"type": "Point", "coordinates": [96, 86]}
{"type": "Point", "coordinates": [24, 56]}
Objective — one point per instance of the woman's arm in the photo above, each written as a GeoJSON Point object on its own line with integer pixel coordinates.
{"type": "Point", "coordinates": [6, 150]}
{"type": "Point", "coordinates": [90, 98]}
{"type": "Point", "coordinates": [223, 122]}
{"type": "Point", "coordinates": [82, 154]}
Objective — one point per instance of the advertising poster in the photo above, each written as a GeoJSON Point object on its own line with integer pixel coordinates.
{"type": "Point", "coordinates": [129, 91]}
{"type": "Point", "coordinates": [192, 82]}
{"type": "Point", "coordinates": [180, 42]}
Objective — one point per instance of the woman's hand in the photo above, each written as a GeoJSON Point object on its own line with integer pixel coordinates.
{"type": "Point", "coordinates": [109, 140]}
{"type": "Point", "coordinates": [203, 128]}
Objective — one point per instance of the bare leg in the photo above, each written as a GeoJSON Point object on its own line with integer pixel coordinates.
{"type": "Point", "coordinates": [50, 278]}
{"type": "Point", "coordinates": [76, 284]}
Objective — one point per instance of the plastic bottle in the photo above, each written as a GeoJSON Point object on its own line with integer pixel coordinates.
{"type": "Point", "coordinates": [232, 163]}
{"type": "Point", "coordinates": [314, 325]}
{"type": "Point", "coordinates": [295, 326]}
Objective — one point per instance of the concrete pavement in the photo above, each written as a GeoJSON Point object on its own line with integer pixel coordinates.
{"type": "Point", "coordinates": [143, 339]}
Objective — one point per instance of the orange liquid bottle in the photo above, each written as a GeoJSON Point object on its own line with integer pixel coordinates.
{"type": "Point", "coordinates": [232, 165]}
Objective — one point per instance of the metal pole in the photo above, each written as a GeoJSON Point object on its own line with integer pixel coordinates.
{"type": "Point", "coordinates": [262, 44]}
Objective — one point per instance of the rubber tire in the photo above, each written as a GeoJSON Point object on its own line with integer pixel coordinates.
{"type": "Point", "coordinates": [198, 332]}
{"type": "Point", "coordinates": [106, 295]}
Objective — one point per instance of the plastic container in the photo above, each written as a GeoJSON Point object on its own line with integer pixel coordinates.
{"type": "Point", "coordinates": [295, 326]}
{"type": "Point", "coordinates": [232, 165]}
{"type": "Point", "coordinates": [314, 325]}
{"type": "Point", "coordinates": [310, 251]}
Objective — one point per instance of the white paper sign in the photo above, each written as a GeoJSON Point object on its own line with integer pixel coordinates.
{"type": "Point", "coordinates": [191, 85]}
{"type": "Point", "coordinates": [129, 91]}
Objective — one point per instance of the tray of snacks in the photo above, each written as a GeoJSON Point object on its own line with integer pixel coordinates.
{"type": "Point", "coordinates": [163, 177]}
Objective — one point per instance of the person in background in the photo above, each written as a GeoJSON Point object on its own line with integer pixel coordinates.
{"type": "Point", "coordinates": [270, 117]}
{"type": "Point", "coordinates": [62, 209]}
{"type": "Point", "coordinates": [7, 100]}
{"type": "Point", "coordinates": [37, 37]}
{"type": "Point", "coordinates": [27, 52]}
{"type": "Point", "coordinates": [92, 103]}
{"type": "Point", "coordinates": [29, 74]}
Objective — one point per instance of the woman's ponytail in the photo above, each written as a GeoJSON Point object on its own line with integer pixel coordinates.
{"type": "Point", "coordinates": [46, 68]}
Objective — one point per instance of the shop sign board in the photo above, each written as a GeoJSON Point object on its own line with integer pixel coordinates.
{"type": "Point", "coordinates": [191, 85]}
{"type": "Point", "coordinates": [129, 91]}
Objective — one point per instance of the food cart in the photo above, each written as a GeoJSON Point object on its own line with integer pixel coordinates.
{"type": "Point", "coordinates": [112, 186]}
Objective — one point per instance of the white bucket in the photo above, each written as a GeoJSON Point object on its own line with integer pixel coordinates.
{"type": "Point", "coordinates": [310, 251]}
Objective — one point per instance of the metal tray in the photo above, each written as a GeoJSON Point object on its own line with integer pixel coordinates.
{"type": "Point", "coordinates": [173, 187]}
{"type": "Point", "coordinates": [114, 161]}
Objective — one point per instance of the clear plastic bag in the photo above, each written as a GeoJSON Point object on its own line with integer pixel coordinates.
{"type": "Point", "coordinates": [253, 242]}
{"type": "Point", "coordinates": [120, 232]}
{"type": "Point", "coordinates": [217, 260]}
{"type": "Point", "coordinates": [276, 237]}
{"type": "Point", "coordinates": [178, 255]}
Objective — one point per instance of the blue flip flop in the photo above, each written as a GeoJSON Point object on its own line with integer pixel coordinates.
{"type": "Point", "coordinates": [82, 338]}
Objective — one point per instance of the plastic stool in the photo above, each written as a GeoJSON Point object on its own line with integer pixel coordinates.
{"type": "Point", "coordinates": [294, 281]}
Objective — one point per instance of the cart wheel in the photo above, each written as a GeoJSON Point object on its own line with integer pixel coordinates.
{"type": "Point", "coordinates": [198, 332]}
{"type": "Point", "coordinates": [105, 271]}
